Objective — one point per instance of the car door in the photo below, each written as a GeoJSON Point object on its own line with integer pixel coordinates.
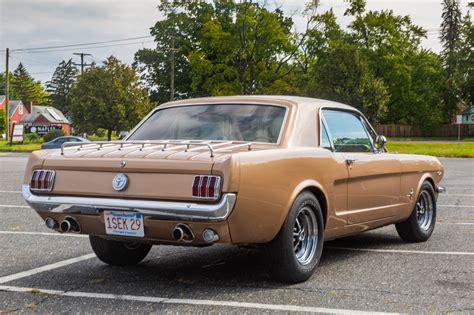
{"type": "Point", "coordinates": [373, 187]}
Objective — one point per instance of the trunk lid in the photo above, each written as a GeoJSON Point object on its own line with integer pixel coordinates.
{"type": "Point", "coordinates": [154, 171]}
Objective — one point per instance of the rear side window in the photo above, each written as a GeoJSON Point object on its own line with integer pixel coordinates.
{"type": "Point", "coordinates": [347, 132]}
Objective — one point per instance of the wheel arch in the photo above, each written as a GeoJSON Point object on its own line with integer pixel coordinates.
{"type": "Point", "coordinates": [317, 190]}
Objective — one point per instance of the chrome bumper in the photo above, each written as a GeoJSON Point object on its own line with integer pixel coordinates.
{"type": "Point", "coordinates": [166, 210]}
{"type": "Point", "coordinates": [441, 189]}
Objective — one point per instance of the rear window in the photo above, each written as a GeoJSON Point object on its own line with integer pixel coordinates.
{"type": "Point", "coordinates": [257, 123]}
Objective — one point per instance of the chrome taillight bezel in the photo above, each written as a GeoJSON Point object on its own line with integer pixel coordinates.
{"type": "Point", "coordinates": [212, 189]}
{"type": "Point", "coordinates": [42, 180]}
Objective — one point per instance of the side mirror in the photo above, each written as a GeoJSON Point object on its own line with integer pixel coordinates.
{"type": "Point", "coordinates": [380, 142]}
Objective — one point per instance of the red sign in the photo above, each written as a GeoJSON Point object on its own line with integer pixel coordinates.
{"type": "Point", "coordinates": [472, 118]}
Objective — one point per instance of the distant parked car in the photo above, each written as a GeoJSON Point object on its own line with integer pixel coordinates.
{"type": "Point", "coordinates": [58, 142]}
{"type": "Point", "coordinates": [123, 134]}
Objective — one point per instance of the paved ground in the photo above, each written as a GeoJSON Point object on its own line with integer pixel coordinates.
{"type": "Point", "coordinates": [42, 271]}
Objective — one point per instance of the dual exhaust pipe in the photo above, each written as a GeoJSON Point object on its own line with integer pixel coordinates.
{"type": "Point", "coordinates": [183, 232]}
{"type": "Point", "coordinates": [69, 224]}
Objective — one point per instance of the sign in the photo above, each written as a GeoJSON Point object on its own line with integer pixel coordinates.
{"type": "Point", "coordinates": [17, 133]}
{"type": "Point", "coordinates": [41, 129]}
{"type": "Point", "coordinates": [458, 119]}
{"type": "Point", "coordinates": [472, 118]}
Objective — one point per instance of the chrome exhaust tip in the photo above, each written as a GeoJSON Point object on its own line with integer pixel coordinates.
{"type": "Point", "coordinates": [70, 225]}
{"type": "Point", "coordinates": [51, 223]}
{"type": "Point", "coordinates": [182, 232]}
{"type": "Point", "coordinates": [178, 234]}
{"type": "Point", "coordinates": [65, 226]}
{"type": "Point", "coordinates": [210, 236]}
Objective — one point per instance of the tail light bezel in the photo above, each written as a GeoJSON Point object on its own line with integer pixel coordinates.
{"type": "Point", "coordinates": [208, 192]}
{"type": "Point", "coordinates": [42, 180]}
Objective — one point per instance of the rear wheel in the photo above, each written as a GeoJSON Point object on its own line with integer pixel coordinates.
{"type": "Point", "coordinates": [118, 253]}
{"type": "Point", "coordinates": [420, 225]}
{"type": "Point", "coordinates": [295, 252]}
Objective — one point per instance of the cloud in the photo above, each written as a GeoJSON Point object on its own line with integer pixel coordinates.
{"type": "Point", "coordinates": [38, 23]}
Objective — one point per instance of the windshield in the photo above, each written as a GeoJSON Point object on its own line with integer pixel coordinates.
{"type": "Point", "coordinates": [259, 123]}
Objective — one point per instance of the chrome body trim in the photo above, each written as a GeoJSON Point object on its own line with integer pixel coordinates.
{"type": "Point", "coordinates": [152, 209]}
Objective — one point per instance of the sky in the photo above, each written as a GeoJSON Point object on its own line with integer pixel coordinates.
{"type": "Point", "coordinates": [45, 23]}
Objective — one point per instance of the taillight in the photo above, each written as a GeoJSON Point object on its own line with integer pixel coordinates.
{"type": "Point", "coordinates": [206, 187]}
{"type": "Point", "coordinates": [42, 180]}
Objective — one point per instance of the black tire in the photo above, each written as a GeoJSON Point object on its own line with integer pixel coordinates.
{"type": "Point", "coordinates": [281, 253]}
{"type": "Point", "coordinates": [117, 253]}
{"type": "Point", "coordinates": [421, 223]}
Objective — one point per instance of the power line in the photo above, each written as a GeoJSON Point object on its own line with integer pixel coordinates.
{"type": "Point", "coordinates": [79, 45]}
{"type": "Point", "coordinates": [95, 47]}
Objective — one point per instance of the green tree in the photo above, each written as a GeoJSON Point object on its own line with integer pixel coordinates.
{"type": "Point", "coordinates": [343, 75]}
{"type": "Point", "coordinates": [224, 48]}
{"type": "Point", "coordinates": [466, 60]}
{"type": "Point", "coordinates": [109, 97]}
{"type": "Point", "coordinates": [451, 31]}
{"type": "Point", "coordinates": [451, 28]}
{"type": "Point", "coordinates": [61, 84]}
{"type": "Point", "coordinates": [2, 121]}
{"type": "Point", "coordinates": [2, 82]}
{"type": "Point", "coordinates": [25, 88]}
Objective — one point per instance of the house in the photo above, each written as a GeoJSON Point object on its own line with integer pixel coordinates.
{"type": "Point", "coordinates": [43, 119]}
{"type": "Point", "coordinates": [468, 115]}
{"type": "Point", "coordinates": [16, 110]}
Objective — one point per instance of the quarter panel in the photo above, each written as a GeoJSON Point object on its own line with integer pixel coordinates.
{"type": "Point", "coordinates": [269, 182]}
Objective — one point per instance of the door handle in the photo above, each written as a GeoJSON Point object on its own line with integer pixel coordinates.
{"type": "Point", "coordinates": [351, 161]}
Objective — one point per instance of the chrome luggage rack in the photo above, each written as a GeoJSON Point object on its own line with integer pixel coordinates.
{"type": "Point", "coordinates": [188, 145]}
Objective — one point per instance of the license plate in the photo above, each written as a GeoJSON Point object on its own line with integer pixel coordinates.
{"type": "Point", "coordinates": [124, 223]}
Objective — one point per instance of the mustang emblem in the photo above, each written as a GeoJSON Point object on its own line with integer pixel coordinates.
{"type": "Point", "coordinates": [120, 182]}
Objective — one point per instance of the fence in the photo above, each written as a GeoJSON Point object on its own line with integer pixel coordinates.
{"type": "Point", "coordinates": [443, 131]}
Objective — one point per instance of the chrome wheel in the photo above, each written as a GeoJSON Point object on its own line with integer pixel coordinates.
{"type": "Point", "coordinates": [424, 210]}
{"type": "Point", "coordinates": [305, 235]}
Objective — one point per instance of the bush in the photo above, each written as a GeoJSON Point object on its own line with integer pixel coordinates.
{"type": "Point", "coordinates": [53, 134]}
{"type": "Point", "coordinates": [32, 138]}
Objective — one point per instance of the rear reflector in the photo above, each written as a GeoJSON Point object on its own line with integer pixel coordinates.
{"type": "Point", "coordinates": [206, 187]}
{"type": "Point", "coordinates": [42, 180]}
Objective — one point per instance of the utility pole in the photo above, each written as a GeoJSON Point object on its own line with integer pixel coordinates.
{"type": "Point", "coordinates": [82, 64]}
{"type": "Point", "coordinates": [172, 50]}
{"type": "Point", "coordinates": [7, 88]}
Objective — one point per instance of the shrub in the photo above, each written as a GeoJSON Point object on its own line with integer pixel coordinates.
{"type": "Point", "coordinates": [32, 138]}
{"type": "Point", "coordinates": [53, 134]}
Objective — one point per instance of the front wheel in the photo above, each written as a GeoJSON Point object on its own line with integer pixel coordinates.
{"type": "Point", "coordinates": [420, 225]}
{"type": "Point", "coordinates": [295, 252]}
{"type": "Point", "coordinates": [118, 253]}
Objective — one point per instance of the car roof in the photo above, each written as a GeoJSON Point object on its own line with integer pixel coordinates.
{"type": "Point", "coordinates": [264, 99]}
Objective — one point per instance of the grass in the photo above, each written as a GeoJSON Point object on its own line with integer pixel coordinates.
{"type": "Point", "coordinates": [6, 147]}
{"type": "Point", "coordinates": [446, 149]}
{"type": "Point", "coordinates": [430, 139]}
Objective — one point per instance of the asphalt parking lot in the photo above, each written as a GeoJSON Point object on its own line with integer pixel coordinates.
{"type": "Point", "coordinates": [43, 271]}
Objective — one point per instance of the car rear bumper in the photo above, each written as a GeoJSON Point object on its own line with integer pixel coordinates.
{"type": "Point", "coordinates": [152, 209]}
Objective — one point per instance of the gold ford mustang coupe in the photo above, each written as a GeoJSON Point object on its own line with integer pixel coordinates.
{"type": "Point", "coordinates": [284, 173]}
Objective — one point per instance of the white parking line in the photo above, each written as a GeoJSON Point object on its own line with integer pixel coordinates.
{"type": "Point", "coordinates": [10, 192]}
{"type": "Point", "coordinates": [43, 233]}
{"type": "Point", "coordinates": [154, 299]}
{"type": "Point", "coordinates": [400, 251]}
{"type": "Point", "coordinates": [34, 271]}
{"type": "Point", "coordinates": [14, 206]}
{"type": "Point", "coordinates": [456, 206]}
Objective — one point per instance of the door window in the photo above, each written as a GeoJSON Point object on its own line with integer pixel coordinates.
{"type": "Point", "coordinates": [347, 132]}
